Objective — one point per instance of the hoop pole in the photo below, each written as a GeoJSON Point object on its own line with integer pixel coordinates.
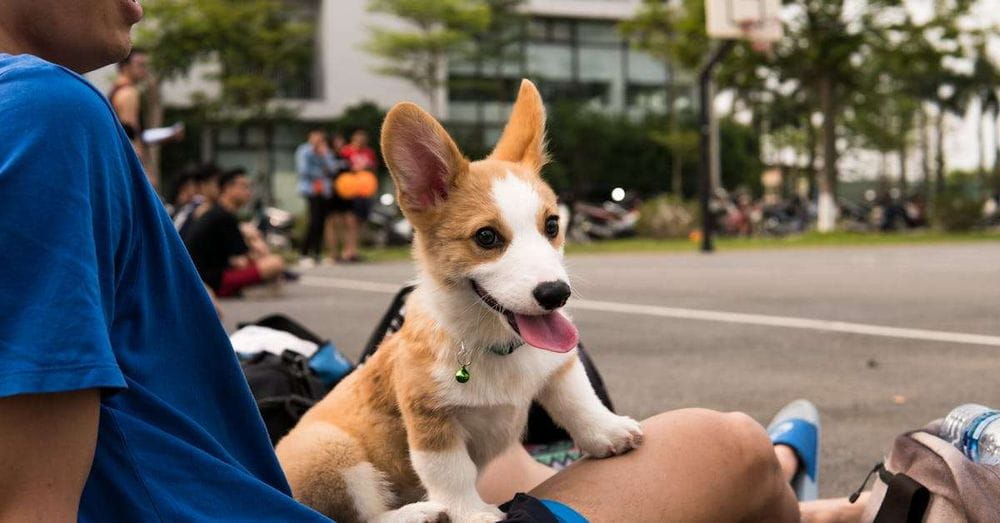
{"type": "Point", "coordinates": [704, 79]}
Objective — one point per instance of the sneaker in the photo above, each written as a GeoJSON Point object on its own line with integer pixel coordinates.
{"type": "Point", "coordinates": [797, 426]}
{"type": "Point", "coordinates": [305, 263]}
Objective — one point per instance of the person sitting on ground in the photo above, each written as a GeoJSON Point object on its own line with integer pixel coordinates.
{"type": "Point", "coordinates": [218, 247]}
{"type": "Point", "coordinates": [183, 192]}
{"type": "Point", "coordinates": [206, 191]}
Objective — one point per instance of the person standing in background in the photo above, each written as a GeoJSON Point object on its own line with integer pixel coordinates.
{"type": "Point", "coordinates": [312, 162]}
{"type": "Point", "coordinates": [361, 157]}
{"type": "Point", "coordinates": [339, 208]}
{"type": "Point", "coordinates": [126, 99]}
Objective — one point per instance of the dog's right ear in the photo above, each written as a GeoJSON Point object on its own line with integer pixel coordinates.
{"type": "Point", "coordinates": [423, 160]}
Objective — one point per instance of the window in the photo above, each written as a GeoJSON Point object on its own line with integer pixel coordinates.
{"type": "Point", "coordinates": [550, 61]}
{"type": "Point", "coordinates": [598, 32]}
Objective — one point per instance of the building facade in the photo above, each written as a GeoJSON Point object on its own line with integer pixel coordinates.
{"type": "Point", "coordinates": [572, 49]}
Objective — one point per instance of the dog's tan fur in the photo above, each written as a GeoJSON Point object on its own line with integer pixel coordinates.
{"type": "Point", "coordinates": [400, 403]}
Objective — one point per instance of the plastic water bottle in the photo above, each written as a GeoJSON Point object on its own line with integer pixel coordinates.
{"type": "Point", "coordinates": [975, 430]}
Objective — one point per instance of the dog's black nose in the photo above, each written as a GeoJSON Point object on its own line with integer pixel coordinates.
{"type": "Point", "coordinates": [551, 294]}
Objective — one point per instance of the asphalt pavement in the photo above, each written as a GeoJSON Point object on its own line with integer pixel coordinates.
{"type": "Point", "coordinates": [882, 339]}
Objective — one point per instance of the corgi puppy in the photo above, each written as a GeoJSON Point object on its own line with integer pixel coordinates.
{"type": "Point", "coordinates": [404, 437]}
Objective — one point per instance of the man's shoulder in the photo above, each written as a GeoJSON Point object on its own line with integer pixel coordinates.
{"type": "Point", "coordinates": [31, 84]}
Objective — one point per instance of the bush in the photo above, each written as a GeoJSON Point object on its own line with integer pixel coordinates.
{"type": "Point", "coordinates": [955, 212]}
{"type": "Point", "coordinates": [667, 217]}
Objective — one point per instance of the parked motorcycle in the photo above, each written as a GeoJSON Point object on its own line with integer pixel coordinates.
{"type": "Point", "coordinates": [387, 225]}
{"type": "Point", "coordinates": [602, 222]}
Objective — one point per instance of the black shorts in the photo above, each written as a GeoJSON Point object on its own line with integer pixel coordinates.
{"type": "Point", "coordinates": [526, 509]}
{"type": "Point", "coordinates": [339, 205]}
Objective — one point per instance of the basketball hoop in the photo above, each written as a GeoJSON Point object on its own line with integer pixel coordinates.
{"type": "Point", "coordinates": [755, 20]}
{"type": "Point", "coordinates": [757, 33]}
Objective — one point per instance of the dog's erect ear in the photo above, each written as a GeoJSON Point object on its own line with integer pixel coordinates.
{"type": "Point", "coordinates": [523, 139]}
{"type": "Point", "coordinates": [422, 158]}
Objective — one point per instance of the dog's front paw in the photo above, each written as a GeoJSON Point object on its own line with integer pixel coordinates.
{"type": "Point", "coordinates": [484, 514]}
{"type": "Point", "coordinates": [421, 512]}
{"type": "Point", "coordinates": [610, 436]}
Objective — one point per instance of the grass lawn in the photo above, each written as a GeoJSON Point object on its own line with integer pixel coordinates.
{"type": "Point", "coordinates": [807, 240]}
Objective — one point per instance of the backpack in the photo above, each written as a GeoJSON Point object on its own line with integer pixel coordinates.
{"type": "Point", "coordinates": [285, 386]}
{"type": "Point", "coordinates": [925, 478]}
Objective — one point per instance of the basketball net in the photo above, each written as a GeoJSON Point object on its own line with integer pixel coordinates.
{"type": "Point", "coordinates": [754, 29]}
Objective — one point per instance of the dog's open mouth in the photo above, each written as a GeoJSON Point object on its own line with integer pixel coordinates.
{"type": "Point", "coordinates": [550, 331]}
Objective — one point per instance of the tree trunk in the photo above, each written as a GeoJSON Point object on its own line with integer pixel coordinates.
{"type": "Point", "coordinates": [154, 118]}
{"type": "Point", "coordinates": [925, 152]}
{"type": "Point", "coordinates": [939, 154]}
{"type": "Point", "coordinates": [903, 182]}
{"type": "Point", "coordinates": [266, 164]}
{"type": "Point", "coordinates": [981, 136]}
{"type": "Point", "coordinates": [811, 144]}
{"type": "Point", "coordinates": [827, 211]}
{"type": "Point", "coordinates": [676, 158]}
{"type": "Point", "coordinates": [996, 155]}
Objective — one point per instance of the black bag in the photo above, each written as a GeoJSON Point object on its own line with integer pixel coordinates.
{"type": "Point", "coordinates": [285, 387]}
{"type": "Point", "coordinates": [541, 429]}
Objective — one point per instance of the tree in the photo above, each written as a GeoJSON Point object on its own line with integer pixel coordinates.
{"type": "Point", "coordinates": [665, 31]}
{"type": "Point", "coordinates": [419, 53]}
{"type": "Point", "coordinates": [257, 47]}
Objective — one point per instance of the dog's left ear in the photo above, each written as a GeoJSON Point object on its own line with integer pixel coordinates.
{"type": "Point", "coordinates": [523, 138]}
{"type": "Point", "coordinates": [423, 160]}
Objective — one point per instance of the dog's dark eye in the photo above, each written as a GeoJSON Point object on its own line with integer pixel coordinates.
{"type": "Point", "coordinates": [552, 226]}
{"type": "Point", "coordinates": [488, 238]}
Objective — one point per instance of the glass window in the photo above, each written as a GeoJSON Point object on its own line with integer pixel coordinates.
{"type": "Point", "coordinates": [462, 111]}
{"type": "Point", "coordinates": [595, 32]}
{"type": "Point", "coordinates": [538, 29]}
{"type": "Point", "coordinates": [560, 30]}
{"type": "Point", "coordinates": [644, 68]}
{"type": "Point", "coordinates": [551, 61]}
{"type": "Point", "coordinates": [600, 63]}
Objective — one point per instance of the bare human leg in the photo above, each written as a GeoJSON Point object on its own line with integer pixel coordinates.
{"type": "Point", "coordinates": [694, 465]}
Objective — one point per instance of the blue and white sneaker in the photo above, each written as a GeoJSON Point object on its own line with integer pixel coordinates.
{"type": "Point", "coordinates": [797, 426]}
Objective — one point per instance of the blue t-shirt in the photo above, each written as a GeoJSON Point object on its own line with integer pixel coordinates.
{"type": "Point", "coordinates": [98, 292]}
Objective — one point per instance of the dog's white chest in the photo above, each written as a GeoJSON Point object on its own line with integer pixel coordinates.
{"type": "Point", "coordinates": [490, 430]}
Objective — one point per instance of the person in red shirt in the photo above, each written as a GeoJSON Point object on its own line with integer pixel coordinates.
{"type": "Point", "coordinates": [358, 153]}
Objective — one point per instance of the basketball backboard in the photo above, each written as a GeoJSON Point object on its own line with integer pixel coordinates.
{"type": "Point", "coordinates": [757, 20]}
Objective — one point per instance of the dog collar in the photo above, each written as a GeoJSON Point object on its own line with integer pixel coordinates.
{"type": "Point", "coordinates": [465, 359]}
{"type": "Point", "coordinates": [505, 349]}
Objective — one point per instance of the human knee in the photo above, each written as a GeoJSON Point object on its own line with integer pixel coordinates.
{"type": "Point", "coordinates": [752, 445]}
{"type": "Point", "coordinates": [270, 266]}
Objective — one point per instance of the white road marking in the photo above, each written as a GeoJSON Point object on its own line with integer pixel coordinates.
{"type": "Point", "coordinates": [708, 315]}
{"type": "Point", "coordinates": [354, 285]}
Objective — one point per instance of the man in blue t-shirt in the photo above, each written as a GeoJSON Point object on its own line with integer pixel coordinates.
{"type": "Point", "coordinates": [128, 401]}
{"type": "Point", "coordinates": [120, 396]}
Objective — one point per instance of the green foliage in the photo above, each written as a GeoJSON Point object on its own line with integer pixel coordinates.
{"type": "Point", "coordinates": [437, 28]}
{"type": "Point", "coordinates": [672, 31]}
{"type": "Point", "coordinates": [956, 211]}
{"type": "Point", "coordinates": [593, 152]}
{"type": "Point", "coordinates": [364, 115]}
{"type": "Point", "coordinates": [255, 44]}
{"type": "Point", "coordinates": [667, 217]}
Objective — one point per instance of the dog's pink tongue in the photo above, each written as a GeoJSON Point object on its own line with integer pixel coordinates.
{"type": "Point", "coordinates": [551, 331]}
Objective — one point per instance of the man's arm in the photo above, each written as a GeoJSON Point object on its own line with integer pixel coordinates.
{"type": "Point", "coordinates": [47, 444]}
